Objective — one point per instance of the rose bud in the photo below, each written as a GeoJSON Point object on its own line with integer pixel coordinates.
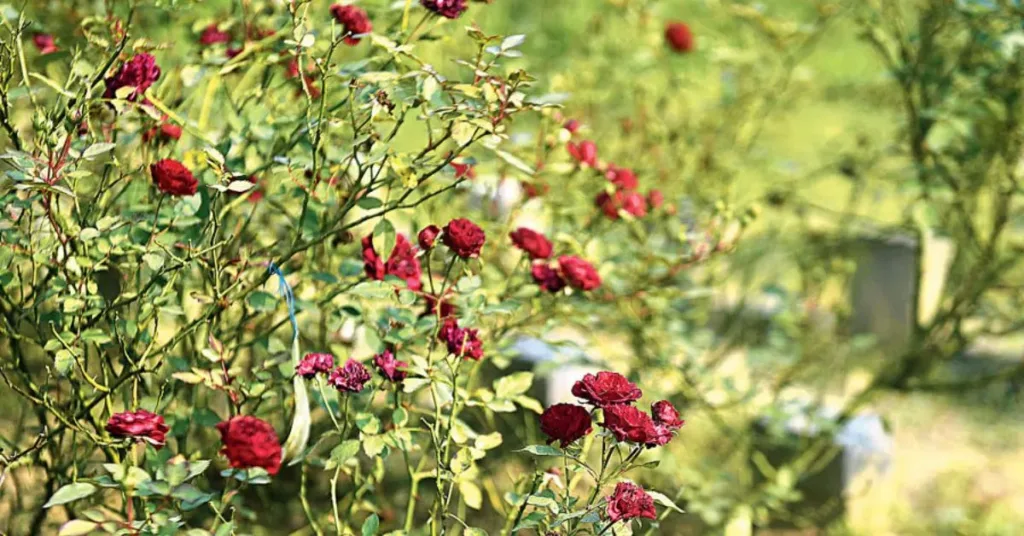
{"type": "Point", "coordinates": [679, 37]}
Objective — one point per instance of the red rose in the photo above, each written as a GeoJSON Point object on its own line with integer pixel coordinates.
{"type": "Point", "coordinates": [659, 437]}
{"type": "Point", "coordinates": [679, 36]}
{"type": "Point", "coordinates": [464, 237]}
{"type": "Point", "coordinates": [532, 242]}
{"type": "Point", "coordinates": [665, 413]}
{"type": "Point", "coordinates": [450, 9]}
{"type": "Point", "coordinates": [44, 43]}
{"type": "Point", "coordinates": [401, 263]}
{"type": "Point", "coordinates": [139, 424]}
{"type": "Point", "coordinates": [606, 389]}
{"type": "Point", "coordinates": [256, 192]}
{"type": "Point", "coordinates": [351, 377]}
{"type": "Point", "coordinates": [165, 132]}
{"type": "Point", "coordinates": [579, 273]}
{"type": "Point", "coordinates": [631, 202]}
{"type": "Point", "coordinates": [655, 199]}
{"type": "Point", "coordinates": [250, 442]}
{"type": "Point", "coordinates": [211, 35]}
{"type": "Point", "coordinates": [314, 364]}
{"type": "Point", "coordinates": [427, 237]}
{"type": "Point", "coordinates": [622, 178]}
{"type": "Point", "coordinates": [565, 423]}
{"type": "Point", "coordinates": [354, 20]}
{"type": "Point", "coordinates": [461, 342]}
{"type": "Point", "coordinates": [534, 190]}
{"type": "Point", "coordinates": [173, 178]}
{"type": "Point", "coordinates": [547, 278]}
{"type": "Point", "coordinates": [464, 170]}
{"type": "Point", "coordinates": [585, 152]}
{"type": "Point", "coordinates": [630, 501]}
{"type": "Point", "coordinates": [390, 367]}
{"type": "Point", "coordinates": [627, 423]}
{"type": "Point", "coordinates": [140, 72]}
{"type": "Point", "coordinates": [572, 125]}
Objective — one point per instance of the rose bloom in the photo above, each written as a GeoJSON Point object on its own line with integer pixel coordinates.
{"type": "Point", "coordinates": [140, 72]}
{"type": "Point", "coordinates": [44, 43]}
{"type": "Point", "coordinates": [354, 20]}
{"type": "Point", "coordinates": [314, 364]}
{"type": "Point", "coordinates": [565, 423]}
{"type": "Point", "coordinates": [547, 278]}
{"type": "Point", "coordinates": [465, 343]}
{"type": "Point", "coordinates": [627, 423]}
{"type": "Point", "coordinates": [659, 437]}
{"type": "Point", "coordinates": [536, 245]}
{"type": "Point", "coordinates": [173, 178]}
{"type": "Point", "coordinates": [572, 125]}
{"type": "Point", "coordinates": [679, 37]}
{"type": "Point", "coordinates": [351, 377]}
{"type": "Point", "coordinates": [450, 9]}
{"type": "Point", "coordinates": [139, 424]}
{"type": "Point", "coordinates": [401, 263]}
{"type": "Point", "coordinates": [622, 178]}
{"type": "Point", "coordinates": [606, 389]}
{"type": "Point", "coordinates": [427, 237]}
{"type": "Point", "coordinates": [631, 202]}
{"type": "Point", "coordinates": [164, 132]}
{"type": "Point", "coordinates": [464, 237]}
{"type": "Point", "coordinates": [212, 35]}
{"type": "Point", "coordinates": [665, 413]}
{"type": "Point", "coordinates": [585, 152]}
{"type": "Point", "coordinates": [579, 273]}
{"type": "Point", "coordinates": [630, 501]}
{"type": "Point", "coordinates": [250, 442]}
{"type": "Point", "coordinates": [655, 199]}
{"type": "Point", "coordinates": [390, 367]}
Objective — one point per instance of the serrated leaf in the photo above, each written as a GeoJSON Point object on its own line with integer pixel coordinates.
{"type": "Point", "coordinates": [69, 493]}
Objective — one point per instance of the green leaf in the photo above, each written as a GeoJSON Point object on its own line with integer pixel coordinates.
{"type": "Point", "coordinates": [371, 525]}
{"type": "Point", "coordinates": [541, 450]}
{"type": "Point", "coordinates": [262, 301]}
{"type": "Point", "coordinates": [471, 494]}
{"type": "Point", "coordinates": [97, 149]}
{"type": "Point", "coordinates": [345, 451]}
{"type": "Point", "coordinates": [488, 441]}
{"type": "Point", "coordinates": [663, 500]}
{"type": "Point", "coordinates": [71, 492]}
{"type": "Point", "coordinates": [77, 527]}
{"type": "Point", "coordinates": [513, 384]}
{"type": "Point", "coordinates": [369, 203]}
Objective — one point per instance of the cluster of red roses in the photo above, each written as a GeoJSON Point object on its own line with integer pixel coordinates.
{"type": "Point", "coordinates": [570, 270]}
{"type": "Point", "coordinates": [247, 441]}
{"type": "Point", "coordinates": [614, 395]}
{"type": "Point", "coordinates": [353, 375]}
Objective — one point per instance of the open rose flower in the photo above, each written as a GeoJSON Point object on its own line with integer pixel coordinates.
{"type": "Point", "coordinates": [250, 442]}
{"type": "Point", "coordinates": [173, 178]}
{"type": "Point", "coordinates": [536, 245]}
{"type": "Point", "coordinates": [622, 178]}
{"type": "Point", "coordinates": [627, 423]}
{"type": "Point", "coordinates": [314, 364]}
{"type": "Point", "coordinates": [350, 378]}
{"type": "Point", "coordinates": [450, 9]}
{"type": "Point", "coordinates": [401, 263]}
{"type": "Point", "coordinates": [565, 423]}
{"type": "Point", "coordinates": [462, 342]}
{"type": "Point", "coordinates": [140, 72]}
{"type": "Point", "coordinates": [390, 367]}
{"type": "Point", "coordinates": [547, 278]}
{"type": "Point", "coordinates": [665, 413]}
{"type": "Point", "coordinates": [631, 202]}
{"type": "Point", "coordinates": [44, 43]}
{"type": "Point", "coordinates": [354, 20]}
{"type": "Point", "coordinates": [630, 501]}
{"type": "Point", "coordinates": [679, 37]}
{"type": "Point", "coordinates": [584, 152]}
{"type": "Point", "coordinates": [606, 389]}
{"type": "Point", "coordinates": [579, 273]}
{"type": "Point", "coordinates": [464, 237]}
{"type": "Point", "coordinates": [139, 424]}
{"type": "Point", "coordinates": [427, 236]}
{"type": "Point", "coordinates": [212, 35]}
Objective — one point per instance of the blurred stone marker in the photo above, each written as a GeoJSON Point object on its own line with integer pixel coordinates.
{"type": "Point", "coordinates": [890, 293]}
{"type": "Point", "coordinates": [862, 453]}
